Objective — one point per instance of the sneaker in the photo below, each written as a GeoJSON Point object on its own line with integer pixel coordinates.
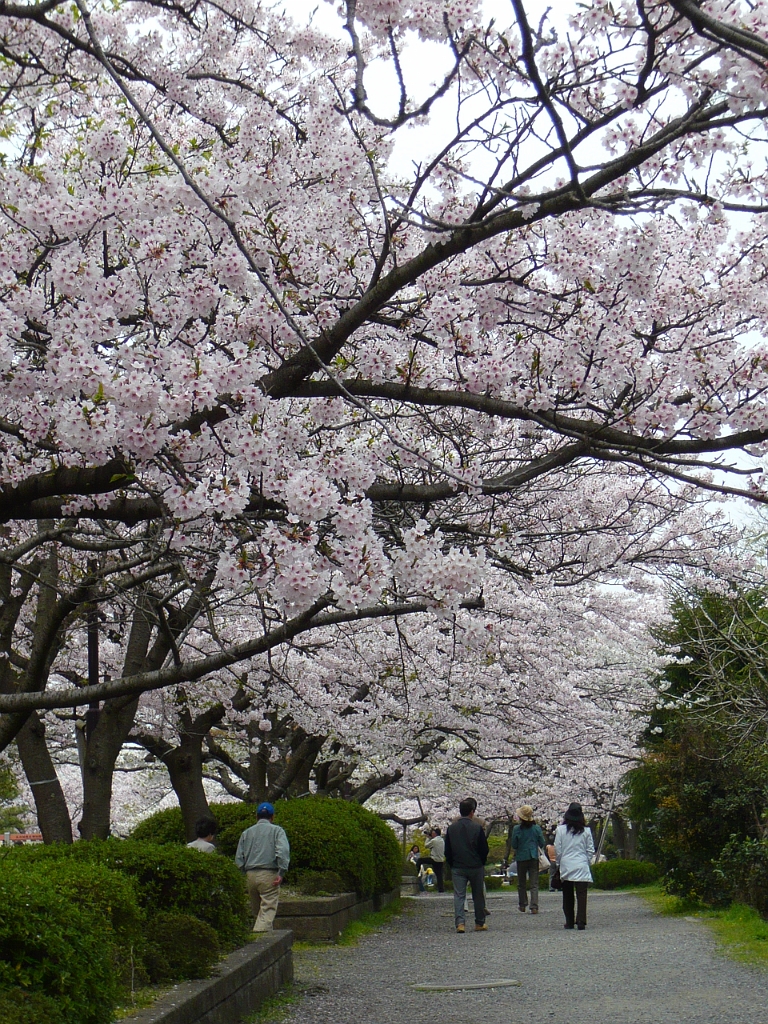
{"type": "Point", "coordinates": [460, 929]}
{"type": "Point", "coordinates": [481, 927]}
{"type": "Point", "coordinates": [521, 909]}
{"type": "Point", "coordinates": [534, 910]}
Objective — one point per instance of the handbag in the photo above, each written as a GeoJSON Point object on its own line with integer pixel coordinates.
{"type": "Point", "coordinates": [556, 881]}
{"type": "Point", "coordinates": [543, 861]}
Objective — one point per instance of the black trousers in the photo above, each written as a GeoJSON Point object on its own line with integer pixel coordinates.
{"type": "Point", "coordinates": [438, 867]}
{"type": "Point", "coordinates": [580, 891]}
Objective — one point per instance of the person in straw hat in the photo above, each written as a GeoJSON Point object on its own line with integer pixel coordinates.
{"type": "Point", "coordinates": [527, 839]}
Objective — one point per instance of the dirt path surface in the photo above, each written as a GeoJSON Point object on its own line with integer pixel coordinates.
{"type": "Point", "coordinates": [629, 967]}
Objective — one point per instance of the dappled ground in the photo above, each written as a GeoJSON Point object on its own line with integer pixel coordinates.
{"type": "Point", "coordinates": [629, 967]}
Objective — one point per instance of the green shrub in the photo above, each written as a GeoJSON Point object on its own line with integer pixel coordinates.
{"type": "Point", "coordinates": [612, 874]}
{"type": "Point", "coordinates": [167, 827]}
{"type": "Point", "coordinates": [167, 878]}
{"type": "Point", "coordinates": [493, 882]}
{"type": "Point", "coordinates": [53, 947]}
{"type": "Point", "coordinates": [317, 883]}
{"type": "Point", "coordinates": [180, 946]}
{"type": "Point", "coordinates": [325, 835]}
{"type": "Point", "coordinates": [386, 848]}
{"type": "Point", "coordinates": [408, 868]}
{"type": "Point", "coordinates": [742, 870]}
{"type": "Point", "coordinates": [18, 1006]}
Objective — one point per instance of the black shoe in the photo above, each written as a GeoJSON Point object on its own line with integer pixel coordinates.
{"type": "Point", "coordinates": [581, 927]}
{"type": "Point", "coordinates": [569, 926]}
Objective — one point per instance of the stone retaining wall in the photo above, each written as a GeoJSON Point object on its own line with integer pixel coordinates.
{"type": "Point", "coordinates": [239, 986]}
{"type": "Point", "coordinates": [315, 918]}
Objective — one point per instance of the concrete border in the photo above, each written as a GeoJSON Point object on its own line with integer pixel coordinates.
{"type": "Point", "coordinates": [240, 985]}
{"type": "Point", "coordinates": [319, 918]}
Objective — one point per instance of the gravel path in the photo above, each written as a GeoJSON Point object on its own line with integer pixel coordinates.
{"type": "Point", "coordinates": [628, 967]}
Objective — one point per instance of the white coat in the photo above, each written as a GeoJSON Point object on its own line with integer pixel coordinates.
{"type": "Point", "coordinates": [574, 853]}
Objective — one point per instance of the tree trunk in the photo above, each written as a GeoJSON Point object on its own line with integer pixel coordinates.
{"type": "Point", "coordinates": [619, 834]}
{"type": "Point", "coordinates": [50, 805]}
{"type": "Point", "coordinates": [185, 768]}
{"type": "Point", "coordinates": [105, 739]}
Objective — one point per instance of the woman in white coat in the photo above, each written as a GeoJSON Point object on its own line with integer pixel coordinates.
{"type": "Point", "coordinates": [574, 849]}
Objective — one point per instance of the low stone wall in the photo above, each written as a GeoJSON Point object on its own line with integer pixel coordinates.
{"type": "Point", "coordinates": [317, 918]}
{"type": "Point", "coordinates": [239, 986]}
{"type": "Point", "coordinates": [409, 885]}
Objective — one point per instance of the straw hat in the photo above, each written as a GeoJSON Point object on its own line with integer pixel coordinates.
{"type": "Point", "coordinates": [525, 813]}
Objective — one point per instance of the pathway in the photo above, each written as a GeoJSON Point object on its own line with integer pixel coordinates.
{"type": "Point", "coordinates": [629, 967]}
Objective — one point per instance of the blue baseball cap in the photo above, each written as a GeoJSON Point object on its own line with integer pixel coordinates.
{"type": "Point", "coordinates": [265, 810]}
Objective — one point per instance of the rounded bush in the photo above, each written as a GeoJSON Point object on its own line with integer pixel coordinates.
{"type": "Point", "coordinates": [53, 947]}
{"type": "Point", "coordinates": [387, 853]}
{"type": "Point", "coordinates": [612, 874]}
{"type": "Point", "coordinates": [180, 946]}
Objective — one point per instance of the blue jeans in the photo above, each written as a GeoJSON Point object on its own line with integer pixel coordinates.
{"type": "Point", "coordinates": [475, 878]}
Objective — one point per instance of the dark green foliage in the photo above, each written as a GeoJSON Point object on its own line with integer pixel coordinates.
{"type": "Point", "coordinates": [168, 878]}
{"type": "Point", "coordinates": [317, 883]}
{"type": "Point", "coordinates": [386, 848]}
{"type": "Point", "coordinates": [325, 835]}
{"type": "Point", "coordinates": [18, 1006]}
{"type": "Point", "coordinates": [493, 882]}
{"type": "Point", "coordinates": [743, 870]}
{"type": "Point", "coordinates": [180, 946]}
{"type": "Point", "coordinates": [611, 874]}
{"type": "Point", "coordinates": [336, 835]}
{"type": "Point", "coordinates": [54, 947]}
{"type": "Point", "coordinates": [167, 827]}
{"type": "Point", "coordinates": [702, 780]}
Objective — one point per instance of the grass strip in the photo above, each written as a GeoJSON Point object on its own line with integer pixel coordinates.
{"type": "Point", "coordinates": [741, 932]}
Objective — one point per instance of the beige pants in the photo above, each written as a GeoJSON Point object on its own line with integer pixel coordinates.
{"type": "Point", "coordinates": [264, 895]}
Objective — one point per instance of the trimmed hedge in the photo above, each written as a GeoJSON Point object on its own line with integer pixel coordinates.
{"type": "Point", "coordinates": [326, 835]}
{"type": "Point", "coordinates": [54, 948]}
{"type": "Point", "coordinates": [611, 874]}
{"type": "Point", "coordinates": [167, 879]}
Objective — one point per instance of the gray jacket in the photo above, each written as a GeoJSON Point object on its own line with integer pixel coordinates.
{"type": "Point", "coordinates": [264, 845]}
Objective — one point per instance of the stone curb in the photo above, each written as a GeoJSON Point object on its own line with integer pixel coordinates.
{"type": "Point", "coordinates": [239, 985]}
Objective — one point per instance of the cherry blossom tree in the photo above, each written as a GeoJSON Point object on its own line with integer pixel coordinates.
{"type": "Point", "coordinates": [292, 340]}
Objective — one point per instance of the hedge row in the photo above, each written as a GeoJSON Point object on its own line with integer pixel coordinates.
{"type": "Point", "coordinates": [326, 836]}
{"type": "Point", "coordinates": [612, 874]}
{"type": "Point", "coordinates": [81, 922]}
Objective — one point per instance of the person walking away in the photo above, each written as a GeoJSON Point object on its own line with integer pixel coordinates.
{"type": "Point", "coordinates": [205, 830]}
{"type": "Point", "coordinates": [436, 845]}
{"type": "Point", "coordinates": [527, 838]}
{"type": "Point", "coordinates": [575, 848]}
{"type": "Point", "coordinates": [263, 853]}
{"type": "Point", "coordinates": [551, 853]}
{"type": "Point", "coordinates": [466, 850]}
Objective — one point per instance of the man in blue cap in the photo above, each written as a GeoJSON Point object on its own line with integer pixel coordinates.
{"type": "Point", "coordinates": [263, 854]}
